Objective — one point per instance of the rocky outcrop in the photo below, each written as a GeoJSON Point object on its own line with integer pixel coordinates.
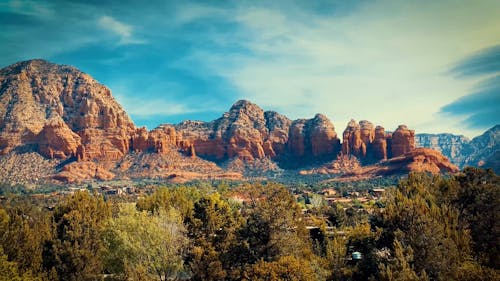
{"type": "Point", "coordinates": [83, 170]}
{"type": "Point", "coordinates": [171, 166]}
{"type": "Point", "coordinates": [248, 133]}
{"type": "Point", "coordinates": [416, 160]}
{"type": "Point", "coordinates": [245, 132]}
{"type": "Point", "coordinates": [421, 160]}
{"type": "Point", "coordinates": [379, 144]}
{"type": "Point", "coordinates": [371, 144]}
{"type": "Point", "coordinates": [278, 126]}
{"type": "Point", "coordinates": [486, 150]}
{"type": "Point", "coordinates": [65, 115]}
{"type": "Point", "coordinates": [55, 108]}
{"type": "Point", "coordinates": [403, 141]}
{"type": "Point", "coordinates": [56, 140]}
{"type": "Point", "coordinates": [456, 148]}
{"type": "Point", "coordinates": [481, 151]}
{"type": "Point", "coordinates": [314, 138]}
{"type": "Point", "coordinates": [352, 142]}
{"type": "Point", "coordinates": [161, 140]}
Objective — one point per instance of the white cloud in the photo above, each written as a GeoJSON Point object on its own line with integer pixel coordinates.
{"type": "Point", "coordinates": [141, 106]}
{"type": "Point", "coordinates": [28, 8]}
{"type": "Point", "coordinates": [190, 12]}
{"type": "Point", "coordinates": [386, 62]}
{"type": "Point", "coordinates": [124, 31]}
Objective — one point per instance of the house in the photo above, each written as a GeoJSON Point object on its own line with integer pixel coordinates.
{"type": "Point", "coordinates": [328, 192]}
{"type": "Point", "coordinates": [105, 188]}
{"type": "Point", "coordinates": [378, 192]}
{"type": "Point", "coordinates": [115, 191]}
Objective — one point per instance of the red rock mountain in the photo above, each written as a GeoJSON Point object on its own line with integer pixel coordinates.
{"type": "Point", "coordinates": [63, 113]}
{"type": "Point", "coordinates": [371, 144]}
{"type": "Point", "coordinates": [248, 133]}
{"type": "Point", "coordinates": [416, 160]}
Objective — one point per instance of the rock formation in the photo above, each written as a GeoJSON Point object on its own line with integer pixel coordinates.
{"type": "Point", "coordinates": [83, 170]}
{"type": "Point", "coordinates": [352, 143]}
{"type": "Point", "coordinates": [371, 144]}
{"type": "Point", "coordinates": [481, 151]}
{"type": "Point", "coordinates": [248, 133]}
{"type": "Point", "coordinates": [245, 132]}
{"type": "Point", "coordinates": [160, 140]}
{"type": "Point", "coordinates": [48, 105]}
{"type": "Point", "coordinates": [403, 141]}
{"type": "Point", "coordinates": [416, 160]}
{"type": "Point", "coordinates": [56, 140]}
{"type": "Point", "coordinates": [379, 144]}
{"type": "Point", "coordinates": [456, 148]}
{"type": "Point", "coordinates": [65, 115]}
{"type": "Point", "coordinates": [313, 138]}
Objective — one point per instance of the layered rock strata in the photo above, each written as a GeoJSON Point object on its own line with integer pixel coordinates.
{"type": "Point", "coordinates": [371, 144]}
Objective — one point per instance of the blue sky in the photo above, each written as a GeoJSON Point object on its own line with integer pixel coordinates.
{"type": "Point", "coordinates": [433, 65]}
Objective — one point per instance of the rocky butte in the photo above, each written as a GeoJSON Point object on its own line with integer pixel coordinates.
{"type": "Point", "coordinates": [371, 144]}
{"type": "Point", "coordinates": [58, 112]}
{"type": "Point", "coordinates": [481, 151]}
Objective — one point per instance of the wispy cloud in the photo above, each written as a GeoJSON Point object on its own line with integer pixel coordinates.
{"type": "Point", "coordinates": [485, 61]}
{"type": "Point", "coordinates": [382, 60]}
{"type": "Point", "coordinates": [478, 109]}
{"type": "Point", "coordinates": [124, 31]}
{"type": "Point", "coordinates": [28, 8]}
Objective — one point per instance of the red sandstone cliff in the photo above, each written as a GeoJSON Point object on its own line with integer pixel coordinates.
{"type": "Point", "coordinates": [248, 133]}
{"type": "Point", "coordinates": [371, 144]}
{"type": "Point", "coordinates": [61, 112]}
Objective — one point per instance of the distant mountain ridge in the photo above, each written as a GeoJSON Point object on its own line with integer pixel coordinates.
{"type": "Point", "coordinates": [481, 151]}
{"type": "Point", "coordinates": [63, 114]}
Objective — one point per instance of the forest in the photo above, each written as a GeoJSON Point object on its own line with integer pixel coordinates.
{"type": "Point", "coordinates": [428, 227]}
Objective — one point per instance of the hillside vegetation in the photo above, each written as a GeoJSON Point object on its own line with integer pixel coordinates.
{"type": "Point", "coordinates": [427, 228]}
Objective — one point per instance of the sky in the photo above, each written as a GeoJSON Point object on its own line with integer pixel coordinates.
{"type": "Point", "coordinates": [432, 65]}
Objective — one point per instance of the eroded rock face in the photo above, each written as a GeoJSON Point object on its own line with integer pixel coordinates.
{"type": "Point", "coordinates": [314, 137]}
{"type": "Point", "coordinates": [57, 140]}
{"type": "Point", "coordinates": [245, 132]}
{"type": "Point", "coordinates": [297, 138]}
{"type": "Point", "coordinates": [371, 144]}
{"type": "Point", "coordinates": [83, 170]}
{"type": "Point", "coordinates": [61, 112]}
{"type": "Point", "coordinates": [379, 144]}
{"type": "Point", "coordinates": [160, 140]}
{"type": "Point", "coordinates": [416, 160]}
{"type": "Point", "coordinates": [424, 160]}
{"type": "Point", "coordinates": [323, 138]}
{"type": "Point", "coordinates": [352, 142]}
{"type": "Point", "coordinates": [481, 151]}
{"type": "Point", "coordinates": [34, 93]}
{"type": "Point", "coordinates": [403, 141]}
{"type": "Point", "coordinates": [278, 126]}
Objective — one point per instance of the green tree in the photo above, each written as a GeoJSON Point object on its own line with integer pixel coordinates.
{"type": "Point", "coordinates": [430, 230]}
{"type": "Point", "coordinates": [212, 228]}
{"type": "Point", "coordinates": [286, 268]}
{"type": "Point", "coordinates": [336, 253]}
{"type": "Point", "coordinates": [74, 253]}
{"type": "Point", "coordinates": [478, 200]}
{"type": "Point", "coordinates": [336, 215]}
{"type": "Point", "coordinates": [23, 230]}
{"type": "Point", "coordinates": [145, 246]}
{"type": "Point", "coordinates": [181, 198]}
{"type": "Point", "coordinates": [274, 224]}
{"type": "Point", "coordinates": [398, 267]}
{"type": "Point", "coordinates": [8, 269]}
